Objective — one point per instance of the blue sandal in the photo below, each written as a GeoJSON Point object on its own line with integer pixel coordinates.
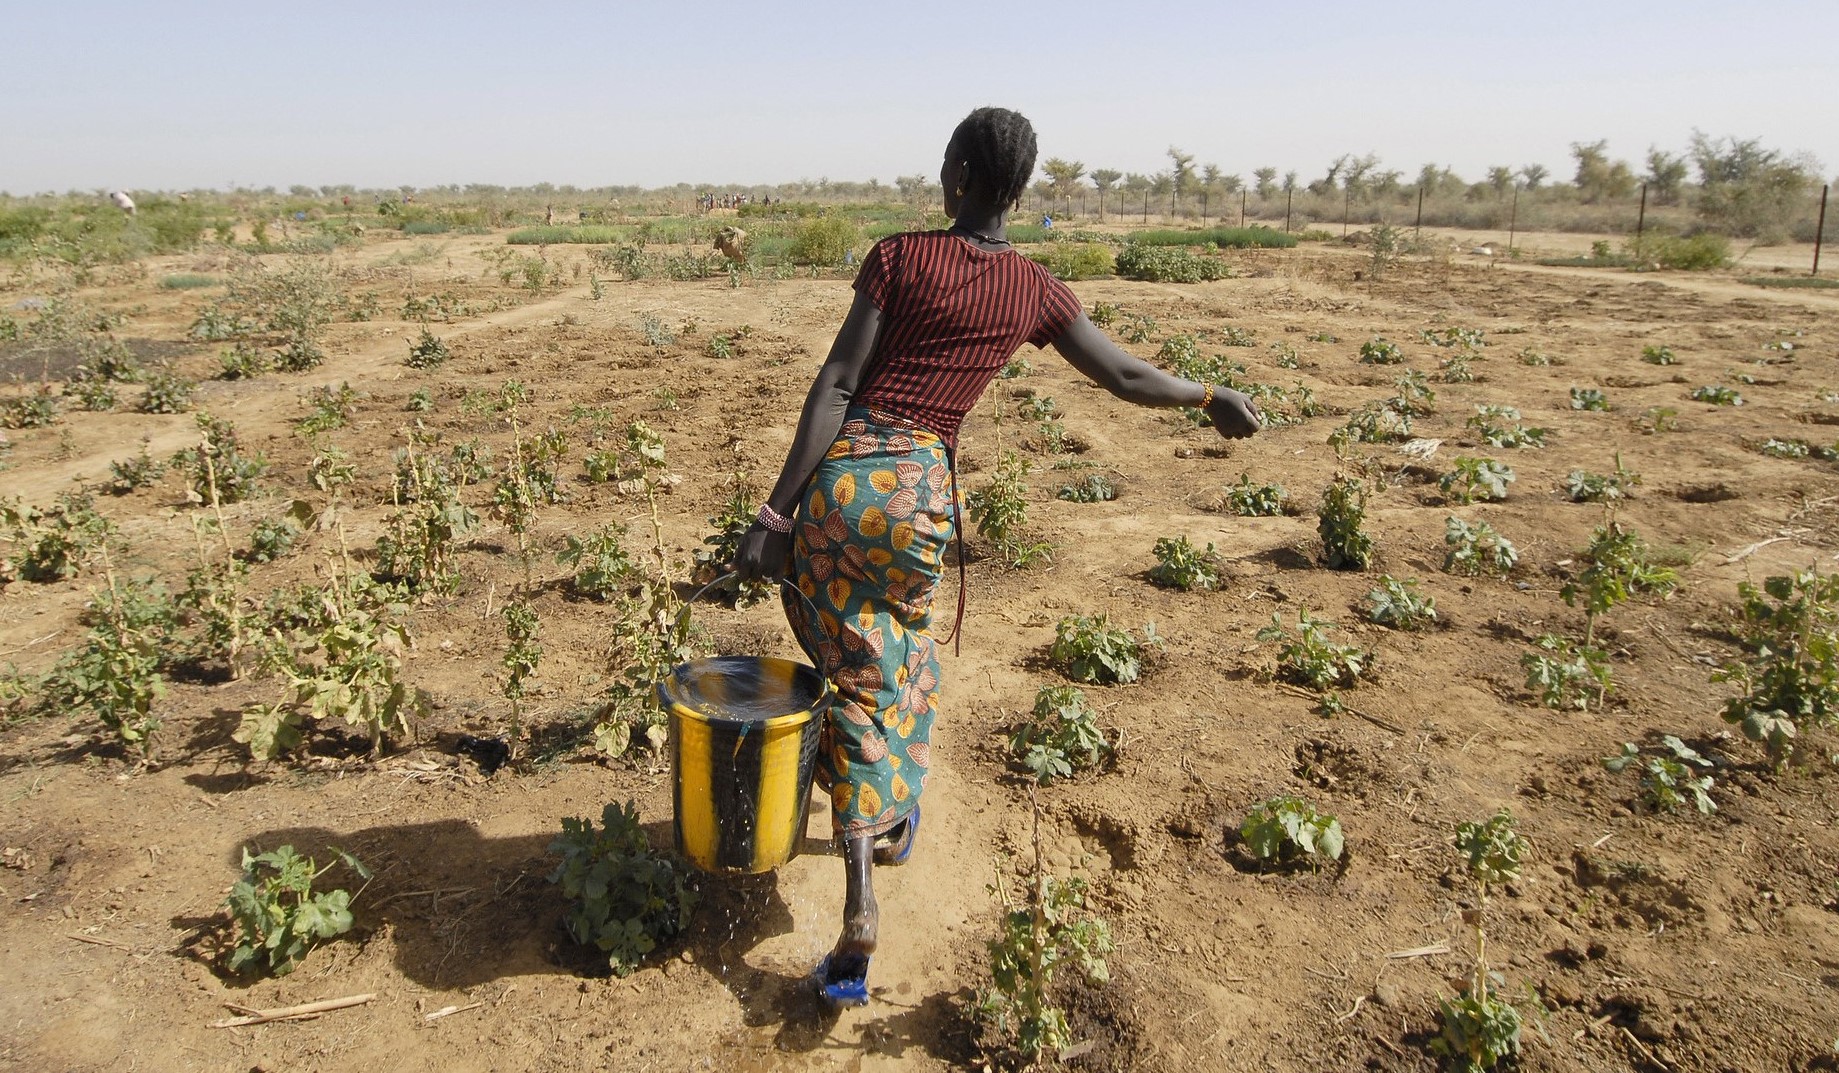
{"type": "Point", "coordinates": [842, 991]}
{"type": "Point", "coordinates": [899, 849]}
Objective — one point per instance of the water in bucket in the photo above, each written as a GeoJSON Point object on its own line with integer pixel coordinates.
{"type": "Point", "coordinates": [743, 744]}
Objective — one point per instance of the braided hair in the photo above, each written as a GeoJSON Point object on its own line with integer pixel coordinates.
{"type": "Point", "coordinates": [1000, 146]}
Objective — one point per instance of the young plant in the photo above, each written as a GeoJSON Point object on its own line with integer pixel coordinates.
{"type": "Point", "coordinates": [1474, 548]}
{"type": "Point", "coordinates": [626, 899]}
{"type": "Point", "coordinates": [1288, 829]}
{"type": "Point", "coordinates": [1499, 426]}
{"type": "Point", "coordinates": [329, 408]}
{"type": "Point", "coordinates": [1480, 1028]}
{"type": "Point", "coordinates": [1345, 545]}
{"type": "Point", "coordinates": [1564, 674]}
{"type": "Point", "coordinates": [125, 475]}
{"type": "Point", "coordinates": [1457, 369]}
{"type": "Point", "coordinates": [731, 524]}
{"type": "Point", "coordinates": [1717, 395]}
{"type": "Point", "coordinates": [218, 460]}
{"type": "Point", "coordinates": [522, 654]}
{"type": "Point", "coordinates": [1061, 738]}
{"type": "Point", "coordinates": [1669, 783]}
{"type": "Point", "coordinates": [1094, 488]}
{"type": "Point", "coordinates": [1249, 500]}
{"type": "Point", "coordinates": [272, 538]}
{"type": "Point", "coordinates": [93, 393]}
{"type": "Point", "coordinates": [1180, 565]}
{"type": "Point", "coordinates": [1617, 569]}
{"type": "Point", "coordinates": [242, 362]}
{"type": "Point", "coordinates": [1089, 649]}
{"type": "Point", "coordinates": [1656, 420]}
{"type": "Point", "coordinates": [59, 542]}
{"type": "Point", "coordinates": [37, 410]}
{"type": "Point", "coordinates": [427, 351]}
{"type": "Point", "coordinates": [1476, 478]}
{"type": "Point", "coordinates": [167, 393]}
{"type": "Point", "coordinates": [1790, 671]}
{"type": "Point", "coordinates": [1658, 355]}
{"type": "Point", "coordinates": [1583, 486]}
{"type": "Point", "coordinates": [421, 401]}
{"type": "Point", "coordinates": [278, 916]}
{"type": "Point", "coordinates": [1371, 424]}
{"type": "Point", "coordinates": [1000, 512]}
{"type": "Point", "coordinates": [1589, 398]}
{"type": "Point", "coordinates": [1415, 395]}
{"type": "Point", "coordinates": [116, 674]}
{"type": "Point", "coordinates": [1378, 351]}
{"type": "Point", "coordinates": [423, 537]}
{"type": "Point", "coordinates": [1038, 937]}
{"type": "Point", "coordinates": [1399, 605]}
{"type": "Point", "coordinates": [1309, 659]}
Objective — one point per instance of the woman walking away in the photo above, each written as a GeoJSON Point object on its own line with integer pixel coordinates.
{"type": "Point", "coordinates": [864, 507]}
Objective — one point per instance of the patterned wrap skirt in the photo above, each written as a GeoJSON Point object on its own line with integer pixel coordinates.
{"type": "Point", "coordinates": [868, 542]}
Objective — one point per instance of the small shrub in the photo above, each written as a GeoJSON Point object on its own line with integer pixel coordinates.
{"type": "Point", "coordinates": [1668, 783]}
{"type": "Point", "coordinates": [1309, 659]}
{"type": "Point", "coordinates": [1617, 568]}
{"type": "Point", "coordinates": [330, 408]}
{"type": "Point", "coordinates": [1789, 673]}
{"type": "Point", "coordinates": [1657, 420]}
{"type": "Point", "coordinates": [1398, 604]}
{"type": "Point", "coordinates": [1372, 424]}
{"type": "Point", "coordinates": [167, 393]}
{"type": "Point", "coordinates": [1589, 398]}
{"type": "Point", "coordinates": [603, 568]}
{"type": "Point", "coordinates": [427, 351]}
{"type": "Point", "coordinates": [1037, 940]}
{"type": "Point", "coordinates": [731, 524]}
{"type": "Point", "coordinates": [1000, 512]}
{"type": "Point", "coordinates": [1717, 395]}
{"type": "Point", "coordinates": [1103, 313]}
{"type": "Point", "coordinates": [1168, 264]}
{"type": "Point", "coordinates": [1499, 426]}
{"type": "Point", "coordinates": [93, 393]}
{"type": "Point", "coordinates": [1474, 548]}
{"type": "Point", "coordinates": [1564, 674]}
{"type": "Point", "coordinates": [59, 542]}
{"type": "Point", "coordinates": [1061, 738]}
{"type": "Point", "coordinates": [1379, 351]}
{"type": "Point", "coordinates": [1249, 500]}
{"type": "Point", "coordinates": [1582, 486]}
{"type": "Point", "coordinates": [1658, 355]}
{"type": "Point", "coordinates": [822, 240]}
{"type": "Point", "coordinates": [1345, 545]}
{"type": "Point", "coordinates": [626, 898]}
{"type": "Point", "coordinates": [421, 401]}
{"type": "Point", "coordinates": [242, 362]}
{"type": "Point", "coordinates": [218, 460]}
{"type": "Point", "coordinates": [1180, 565]}
{"type": "Point", "coordinates": [1093, 488]}
{"type": "Point", "coordinates": [1090, 650]}
{"type": "Point", "coordinates": [272, 538]}
{"type": "Point", "coordinates": [1076, 260]}
{"type": "Point", "coordinates": [277, 915]}
{"type": "Point", "coordinates": [1138, 328]}
{"type": "Point", "coordinates": [1476, 478]}
{"type": "Point", "coordinates": [125, 475]}
{"type": "Point", "coordinates": [1288, 828]}
{"type": "Point", "coordinates": [37, 410]}
{"type": "Point", "coordinates": [1415, 395]}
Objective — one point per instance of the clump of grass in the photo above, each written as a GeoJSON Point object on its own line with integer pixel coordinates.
{"type": "Point", "coordinates": [1793, 282]}
{"type": "Point", "coordinates": [583, 235]}
{"type": "Point", "coordinates": [187, 281]}
{"type": "Point", "coordinates": [1223, 237]}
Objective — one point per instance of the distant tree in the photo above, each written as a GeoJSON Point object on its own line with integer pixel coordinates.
{"type": "Point", "coordinates": [1332, 178]}
{"type": "Point", "coordinates": [1209, 183]}
{"type": "Point", "coordinates": [1266, 180]}
{"type": "Point", "coordinates": [1747, 190]}
{"type": "Point", "coordinates": [1231, 184]}
{"type": "Point", "coordinates": [1103, 179]}
{"type": "Point", "coordinates": [1533, 175]}
{"type": "Point", "coordinates": [1598, 177]}
{"type": "Point", "coordinates": [1063, 176]}
{"type": "Point", "coordinates": [1500, 179]}
{"type": "Point", "coordinates": [913, 189]}
{"type": "Point", "coordinates": [1181, 174]}
{"type": "Point", "coordinates": [1289, 181]}
{"type": "Point", "coordinates": [1357, 179]}
{"type": "Point", "coordinates": [1666, 173]}
{"type": "Point", "coordinates": [1160, 184]}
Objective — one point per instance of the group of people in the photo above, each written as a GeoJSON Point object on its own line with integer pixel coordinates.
{"type": "Point", "coordinates": [708, 201]}
{"type": "Point", "coordinates": [866, 503]}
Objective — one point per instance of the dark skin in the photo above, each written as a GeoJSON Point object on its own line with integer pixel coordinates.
{"type": "Point", "coordinates": [764, 554]}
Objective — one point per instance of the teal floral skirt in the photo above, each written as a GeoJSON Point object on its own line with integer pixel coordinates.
{"type": "Point", "coordinates": [868, 542]}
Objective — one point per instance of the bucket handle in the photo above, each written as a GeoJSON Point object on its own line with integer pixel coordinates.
{"type": "Point", "coordinates": [731, 575]}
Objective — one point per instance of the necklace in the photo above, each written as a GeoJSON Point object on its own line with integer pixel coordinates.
{"type": "Point", "coordinates": [961, 229]}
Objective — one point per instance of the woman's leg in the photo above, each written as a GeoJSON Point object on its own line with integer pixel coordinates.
{"type": "Point", "coordinates": [861, 916]}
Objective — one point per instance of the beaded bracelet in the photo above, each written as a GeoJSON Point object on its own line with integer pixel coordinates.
{"type": "Point", "coordinates": [1206, 397]}
{"type": "Point", "coordinates": [773, 520]}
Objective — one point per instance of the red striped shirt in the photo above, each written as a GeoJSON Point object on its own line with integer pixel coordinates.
{"type": "Point", "coordinates": [952, 315]}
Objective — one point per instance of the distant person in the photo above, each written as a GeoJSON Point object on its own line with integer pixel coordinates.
{"type": "Point", "coordinates": [866, 502]}
{"type": "Point", "coordinates": [1047, 223]}
{"type": "Point", "coordinates": [123, 202]}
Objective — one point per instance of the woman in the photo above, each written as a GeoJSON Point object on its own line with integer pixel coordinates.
{"type": "Point", "coordinates": [864, 507]}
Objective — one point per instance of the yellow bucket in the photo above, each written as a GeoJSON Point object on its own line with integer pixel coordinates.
{"type": "Point", "coordinates": [743, 747]}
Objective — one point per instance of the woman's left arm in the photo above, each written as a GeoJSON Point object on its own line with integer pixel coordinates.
{"type": "Point", "coordinates": [762, 551]}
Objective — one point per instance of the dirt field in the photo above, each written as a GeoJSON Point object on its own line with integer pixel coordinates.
{"type": "Point", "coordinates": [1657, 943]}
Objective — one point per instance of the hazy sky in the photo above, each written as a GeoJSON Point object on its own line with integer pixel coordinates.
{"type": "Point", "coordinates": [177, 95]}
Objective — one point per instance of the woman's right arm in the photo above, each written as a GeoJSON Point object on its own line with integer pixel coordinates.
{"type": "Point", "coordinates": [762, 553]}
{"type": "Point", "coordinates": [1134, 380]}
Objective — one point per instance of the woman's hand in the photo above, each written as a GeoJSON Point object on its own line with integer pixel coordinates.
{"type": "Point", "coordinates": [1233, 413]}
{"type": "Point", "coordinates": [763, 555]}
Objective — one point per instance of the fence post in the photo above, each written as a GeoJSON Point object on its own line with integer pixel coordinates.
{"type": "Point", "coordinates": [1243, 194]}
{"type": "Point", "coordinates": [1288, 197]}
{"type": "Point", "coordinates": [1418, 228]}
{"type": "Point", "coordinates": [1513, 220]}
{"type": "Point", "coordinates": [1347, 208]}
{"type": "Point", "coordinates": [1819, 231]}
{"type": "Point", "coordinates": [1641, 220]}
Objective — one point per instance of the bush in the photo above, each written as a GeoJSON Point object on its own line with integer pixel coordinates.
{"type": "Point", "coordinates": [427, 351]}
{"type": "Point", "coordinates": [1222, 237]}
{"type": "Point", "coordinates": [1157, 264]}
{"type": "Point", "coordinates": [1288, 828]}
{"type": "Point", "coordinates": [167, 393]}
{"type": "Point", "coordinates": [1180, 565]}
{"type": "Point", "coordinates": [1076, 260]}
{"type": "Point", "coordinates": [1695, 254]}
{"type": "Point", "coordinates": [823, 240]}
{"type": "Point", "coordinates": [1345, 545]}
{"type": "Point", "coordinates": [1061, 737]}
{"type": "Point", "coordinates": [627, 898]}
{"type": "Point", "coordinates": [1090, 650]}
{"type": "Point", "coordinates": [278, 916]}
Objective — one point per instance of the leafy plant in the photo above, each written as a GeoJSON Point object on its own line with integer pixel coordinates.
{"type": "Point", "coordinates": [1669, 782]}
{"type": "Point", "coordinates": [127, 474]}
{"type": "Point", "coordinates": [1379, 351]}
{"type": "Point", "coordinates": [1479, 1028]}
{"type": "Point", "coordinates": [272, 538]}
{"type": "Point", "coordinates": [1138, 328]}
{"type": "Point", "coordinates": [167, 393]}
{"type": "Point", "coordinates": [1168, 264]}
{"type": "Point", "coordinates": [93, 393]}
{"type": "Point", "coordinates": [1474, 548]}
{"type": "Point", "coordinates": [1372, 424]}
{"type": "Point", "coordinates": [1345, 545]}
{"type": "Point", "coordinates": [1790, 672]}
{"type": "Point", "coordinates": [36, 410]}
{"type": "Point", "coordinates": [218, 460]}
{"type": "Point", "coordinates": [602, 566]}
{"type": "Point", "coordinates": [59, 542]}
{"type": "Point", "coordinates": [1658, 419]}
{"type": "Point", "coordinates": [1180, 565]}
{"type": "Point", "coordinates": [1564, 674]}
{"type": "Point", "coordinates": [1457, 369]}
{"type": "Point", "coordinates": [522, 654]}
{"type": "Point", "coordinates": [330, 408]}
{"type": "Point", "coordinates": [1476, 478]}
{"type": "Point", "coordinates": [1617, 569]}
{"type": "Point", "coordinates": [1589, 398]}
{"type": "Point", "coordinates": [1717, 395]}
{"type": "Point", "coordinates": [1093, 488]}
{"type": "Point", "coordinates": [1398, 604]}
{"type": "Point", "coordinates": [1491, 423]}
{"type": "Point", "coordinates": [1250, 500]}
{"type": "Point", "coordinates": [421, 401]}
{"type": "Point", "coordinates": [422, 538]}
{"type": "Point", "coordinates": [1288, 828]}
{"type": "Point", "coordinates": [626, 898]}
{"type": "Point", "coordinates": [1309, 659]}
{"type": "Point", "coordinates": [1415, 395]}
{"type": "Point", "coordinates": [242, 362]}
{"type": "Point", "coordinates": [1000, 512]}
{"type": "Point", "coordinates": [1062, 736]}
{"type": "Point", "coordinates": [115, 675]}
{"type": "Point", "coordinates": [719, 549]}
{"type": "Point", "coordinates": [1583, 486]}
{"type": "Point", "coordinates": [278, 916]}
{"type": "Point", "coordinates": [1658, 355]}
{"type": "Point", "coordinates": [1089, 649]}
{"type": "Point", "coordinates": [427, 351]}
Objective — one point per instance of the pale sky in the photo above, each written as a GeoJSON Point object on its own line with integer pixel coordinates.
{"type": "Point", "coordinates": [175, 95]}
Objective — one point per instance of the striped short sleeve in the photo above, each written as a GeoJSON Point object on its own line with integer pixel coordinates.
{"type": "Point", "coordinates": [875, 280]}
{"type": "Point", "coordinates": [1059, 309]}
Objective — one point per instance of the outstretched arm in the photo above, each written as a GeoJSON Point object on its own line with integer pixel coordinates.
{"type": "Point", "coordinates": [762, 552]}
{"type": "Point", "coordinates": [1134, 380]}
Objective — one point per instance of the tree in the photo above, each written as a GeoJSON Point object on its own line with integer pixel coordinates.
{"type": "Point", "coordinates": [1181, 174]}
{"type": "Point", "coordinates": [1159, 184]}
{"type": "Point", "coordinates": [1209, 182]}
{"type": "Point", "coordinates": [1063, 176]}
{"type": "Point", "coordinates": [1666, 173]}
{"type": "Point", "coordinates": [1533, 175]}
{"type": "Point", "coordinates": [1289, 181]}
{"type": "Point", "coordinates": [1104, 179]}
{"type": "Point", "coordinates": [1598, 177]}
{"type": "Point", "coordinates": [1500, 179]}
{"type": "Point", "coordinates": [1266, 180]}
{"type": "Point", "coordinates": [913, 188]}
{"type": "Point", "coordinates": [1747, 190]}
